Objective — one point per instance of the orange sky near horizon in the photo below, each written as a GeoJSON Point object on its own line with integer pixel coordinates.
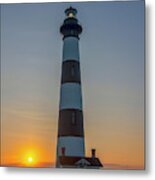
{"type": "Point", "coordinates": [115, 148]}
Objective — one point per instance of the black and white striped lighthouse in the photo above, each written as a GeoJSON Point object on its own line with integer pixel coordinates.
{"type": "Point", "coordinates": [70, 127]}
{"type": "Point", "coordinates": [70, 144]}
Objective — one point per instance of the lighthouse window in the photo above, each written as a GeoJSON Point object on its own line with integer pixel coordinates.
{"type": "Point", "coordinates": [73, 118]}
{"type": "Point", "coordinates": [73, 70]}
{"type": "Point", "coordinates": [71, 15]}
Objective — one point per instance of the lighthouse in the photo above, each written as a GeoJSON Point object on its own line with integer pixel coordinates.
{"type": "Point", "coordinates": [70, 143]}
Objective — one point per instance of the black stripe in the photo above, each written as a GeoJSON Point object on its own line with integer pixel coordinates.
{"type": "Point", "coordinates": [70, 71]}
{"type": "Point", "coordinates": [70, 123]}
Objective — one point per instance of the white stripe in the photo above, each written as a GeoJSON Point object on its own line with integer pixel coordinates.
{"type": "Point", "coordinates": [70, 96]}
{"type": "Point", "coordinates": [71, 49]}
{"type": "Point", "coordinates": [74, 146]}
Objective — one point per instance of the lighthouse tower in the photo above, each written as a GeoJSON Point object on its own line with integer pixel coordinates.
{"type": "Point", "coordinates": [70, 144]}
{"type": "Point", "coordinates": [70, 127]}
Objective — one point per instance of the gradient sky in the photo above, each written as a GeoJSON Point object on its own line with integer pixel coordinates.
{"type": "Point", "coordinates": [112, 70]}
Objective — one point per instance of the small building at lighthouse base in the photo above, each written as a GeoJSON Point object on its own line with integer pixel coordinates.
{"type": "Point", "coordinates": [79, 162]}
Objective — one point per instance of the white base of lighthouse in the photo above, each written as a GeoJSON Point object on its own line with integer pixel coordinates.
{"type": "Point", "coordinates": [74, 146]}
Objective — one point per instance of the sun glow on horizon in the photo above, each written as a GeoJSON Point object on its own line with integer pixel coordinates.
{"type": "Point", "coordinates": [30, 158]}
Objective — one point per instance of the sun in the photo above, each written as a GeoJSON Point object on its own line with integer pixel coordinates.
{"type": "Point", "coordinates": [30, 160]}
